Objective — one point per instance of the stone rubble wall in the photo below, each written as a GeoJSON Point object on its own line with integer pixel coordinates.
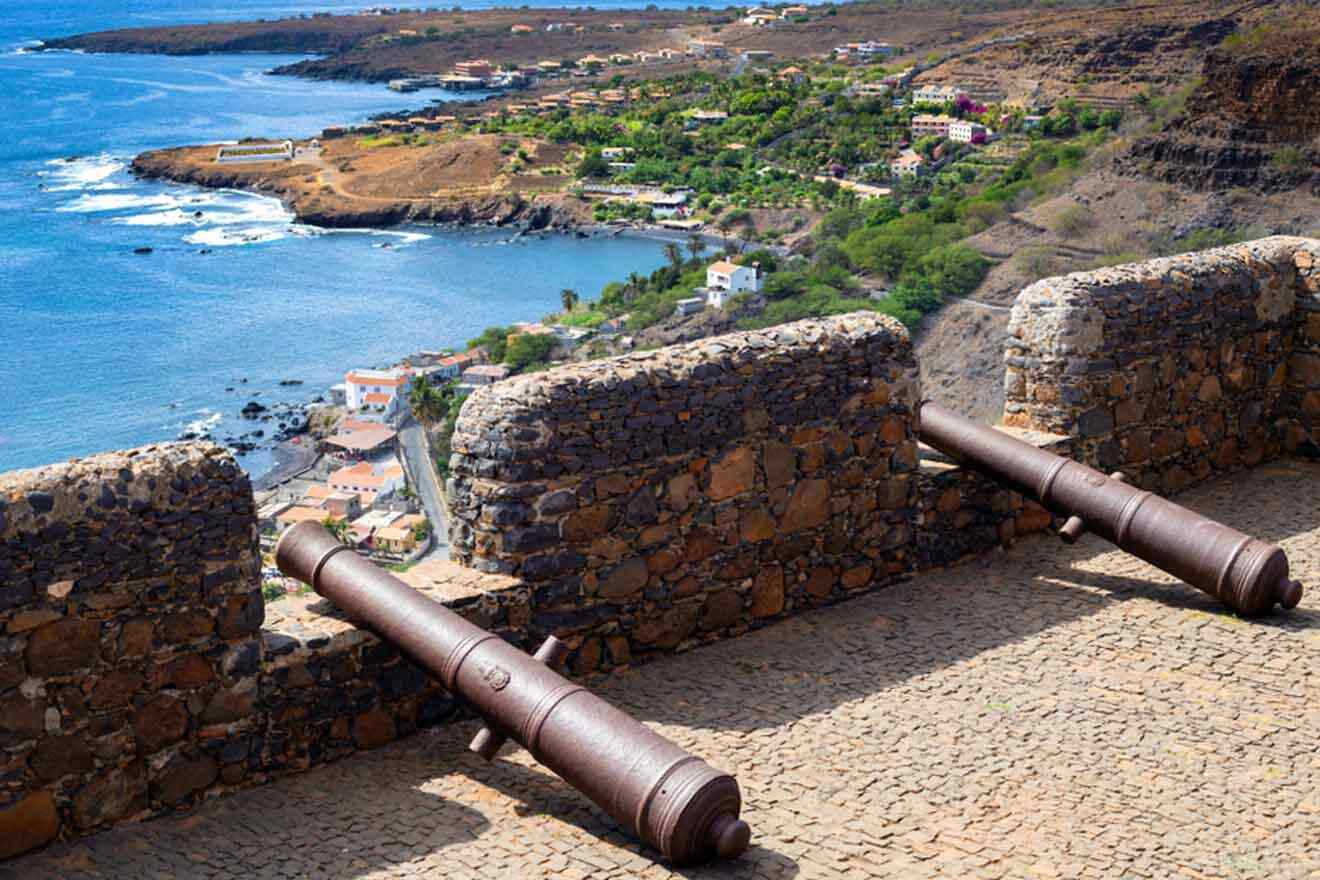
{"type": "Point", "coordinates": [1302, 397]}
{"type": "Point", "coordinates": [1173, 369]}
{"type": "Point", "coordinates": [135, 676]}
{"type": "Point", "coordinates": [632, 507]}
{"type": "Point", "coordinates": [131, 620]}
{"type": "Point", "coordinates": [663, 498]}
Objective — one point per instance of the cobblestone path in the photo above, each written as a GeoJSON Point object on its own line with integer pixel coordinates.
{"type": "Point", "coordinates": [1052, 712]}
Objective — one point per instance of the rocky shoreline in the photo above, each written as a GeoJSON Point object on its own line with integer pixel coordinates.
{"type": "Point", "coordinates": [552, 211]}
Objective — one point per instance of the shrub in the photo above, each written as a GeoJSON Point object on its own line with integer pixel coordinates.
{"type": "Point", "coordinates": [529, 349]}
{"type": "Point", "coordinates": [1290, 160]}
{"type": "Point", "coordinates": [1073, 220]}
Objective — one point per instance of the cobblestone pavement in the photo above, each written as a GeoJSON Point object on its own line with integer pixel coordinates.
{"type": "Point", "coordinates": [1053, 712]}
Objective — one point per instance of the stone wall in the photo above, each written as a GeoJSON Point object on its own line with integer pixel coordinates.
{"type": "Point", "coordinates": [1172, 369]}
{"type": "Point", "coordinates": [662, 498]}
{"type": "Point", "coordinates": [631, 507]}
{"type": "Point", "coordinates": [1302, 397]}
{"type": "Point", "coordinates": [135, 677]}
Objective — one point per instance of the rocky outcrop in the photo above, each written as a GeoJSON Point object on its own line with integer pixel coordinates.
{"type": "Point", "coordinates": [333, 211]}
{"type": "Point", "coordinates": [1253, 123]}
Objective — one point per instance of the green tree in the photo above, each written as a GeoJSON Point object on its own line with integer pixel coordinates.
{"type": "Point", "coordinates": [336, 527]}
{"type": "Point", "coordinates": [495, 340]}
{"type": "Point", "coordinates": [424, 401]}
{"type": "Point", "coordinates": [569, 298]}
{"type": "Point", "coordinates": [696, 246]}
{"type": "Point", "coordinates": [674, 254]}
{"type": "Point", "coordinates": [593, 164]}
{"type": "Point", "coordinates": [529, 349]}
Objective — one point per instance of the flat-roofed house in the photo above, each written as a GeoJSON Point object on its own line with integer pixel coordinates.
{"type": "Point", "coordinates": [909, 164]}
{"type": "Point", "coordinates": [689, 306]}
{"type": "Point", "coordinates": [479, 68]}
{"type": "Point", "coordinates": [485, 374]}
{"type": "Point", "coordinates": [731, 277]}
{"type": "Point", "coordinates": [380, 478]}
{"type": "Point", "coordinates": [926, 124]}
{"type": "Point", "coordinates": [932, 94]}
{"type": "Point", "coordinates": [964, 131]}
{"type": "Point", "coordinates": [707, 48]}
{"type": "Point", "coordinates": [376, 393]}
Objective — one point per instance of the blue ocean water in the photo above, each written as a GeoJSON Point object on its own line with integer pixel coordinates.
{"type": "Point", "coordinates": [102, 348]}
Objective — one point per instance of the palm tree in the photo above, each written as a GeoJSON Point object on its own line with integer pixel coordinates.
{"type": "Point", "coordinates": [695, 245]}
{"type": "Point", "coordinates": [569, 298]}
{"type": "Point", "coordinates": [636, 284]}
{"type": "Point", "coordinates": [336, 527]}
{"type": "Point", "coordinates": [424, 401]}
{"type": "Point", "coordinates": [674, 254]}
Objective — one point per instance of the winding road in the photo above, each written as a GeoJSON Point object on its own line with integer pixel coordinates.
{"type": "Point", "coordinates": [421, 474]}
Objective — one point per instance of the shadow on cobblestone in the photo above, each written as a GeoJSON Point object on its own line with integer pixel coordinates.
{"type": "Point", "coordinates": [1051, 712]}
{"type": "Point", "coordinates": [812, 664]}
{"type": "Point", "coordinates": [384, 810]}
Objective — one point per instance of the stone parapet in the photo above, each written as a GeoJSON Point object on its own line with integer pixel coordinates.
{"type": "Point", "coordinates": [1171, 369]}
{"type": "Point", "coordinates": [130, 614]}
{"type": "Point", "coordinates": [663, 498]}
{"type": "Point", "coordinates": [135, 675]}
{"type": "Point", "coordinates": [1302, 401]}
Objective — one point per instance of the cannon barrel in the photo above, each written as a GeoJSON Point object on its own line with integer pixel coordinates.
{"type": "Point", "coordinates": [1244, 573]}
{"type": "Point", "coordinates": [670, 799]}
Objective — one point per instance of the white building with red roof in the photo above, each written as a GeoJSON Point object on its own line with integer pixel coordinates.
{"type": "Point", "coordinates": [375, 394]}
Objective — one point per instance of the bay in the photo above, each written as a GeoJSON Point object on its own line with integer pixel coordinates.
{"type": "Point", "coordinates": [104, 348]}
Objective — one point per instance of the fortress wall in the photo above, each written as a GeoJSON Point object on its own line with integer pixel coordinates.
{"type": "Point", "coordinates": [662, 498]}
{"type": "Point", "coordinates": [135, 675]}
{"type": "Point", "coordinates": [1302, 394]}
{"type": "Point", "coordinates": [1171, 370]}
{"type": "Point", "coordinates": [631, 506]}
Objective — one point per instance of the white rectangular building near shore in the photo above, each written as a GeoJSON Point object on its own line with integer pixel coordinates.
{"type": "Point", "coordinates": [375, 393]}
{"type": "Point", "coordinates": [249, 152]}
{"type": "Point", "coordinates": [730, 277]}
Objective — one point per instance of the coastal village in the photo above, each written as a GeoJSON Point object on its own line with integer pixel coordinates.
{"type": "Point", "coordinates": [925, 503]}
{"type": "Point", "coordinates": [580, 129]}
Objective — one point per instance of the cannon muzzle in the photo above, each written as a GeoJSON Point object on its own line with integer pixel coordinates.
{"type": "Point", "coordinates": [1248, 575]}
{"type": "Point", "coordinates": [672, 800]}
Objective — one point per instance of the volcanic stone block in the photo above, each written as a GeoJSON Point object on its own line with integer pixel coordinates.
{"type": "Point", "coordinates": [28, 823]}
{"type": "Point", "coordinates": [63, 646]}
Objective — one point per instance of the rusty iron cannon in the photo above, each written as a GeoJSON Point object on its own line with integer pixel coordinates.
{"type": "Point", "coordinates": [672, 800]}
{"type": "Point", "coordinates": [1246, 574]}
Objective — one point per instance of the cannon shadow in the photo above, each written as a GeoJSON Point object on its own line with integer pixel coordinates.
{"type": "Point", "coordinates": [352, 818]}
{"type": "Point", "coordinates": [821, 659]}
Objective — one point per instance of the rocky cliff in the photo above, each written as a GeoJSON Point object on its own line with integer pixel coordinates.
{"type": "Point", "coordinates": [1253, 122]}
{"type": "Point", "coordinates": [320, 207]}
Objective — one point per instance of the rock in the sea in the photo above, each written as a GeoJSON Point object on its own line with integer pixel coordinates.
{"type": "Point", "coordinates": [252, 410]}
{"type": "Point", "coordinates": [142, 250]}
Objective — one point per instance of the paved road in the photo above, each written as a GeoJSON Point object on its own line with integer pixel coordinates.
{"type": "Point", "coordinates": [1051, 712]}
{"type": "Point", "coordinates": [422, 475]}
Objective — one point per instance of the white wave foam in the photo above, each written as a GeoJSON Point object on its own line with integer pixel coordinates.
{"type": "Point", "coordinates": [404, 238]}
{"type": "Point", "coordinates": [95, 204]}
{"type": "Point", "coordinates": [204, 424]}
{"type": "Point", "coordinates": [172, 217]}
{"type": "Point", "coordinates": [85, 172]}
{"type": "Point", "coordinates": [224, 237]}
